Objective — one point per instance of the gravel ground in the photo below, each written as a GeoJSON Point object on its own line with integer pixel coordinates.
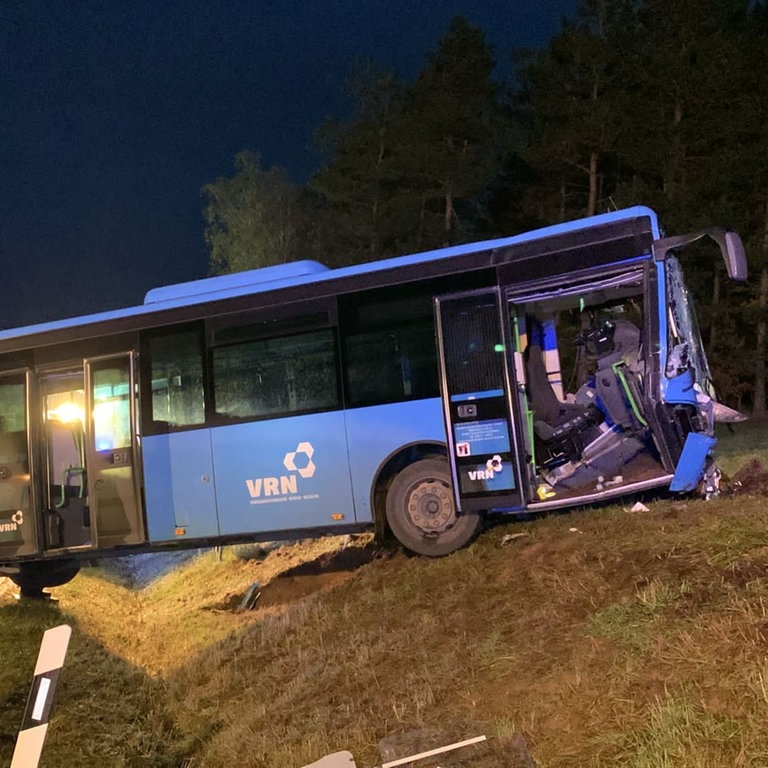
{"type": "Point", "coordinates": [141, 570]}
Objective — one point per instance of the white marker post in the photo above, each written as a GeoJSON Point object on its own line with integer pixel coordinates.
{"type": "Point", "coordinates": [50, 660]}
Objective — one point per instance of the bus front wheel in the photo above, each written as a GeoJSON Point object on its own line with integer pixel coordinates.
{"type": "Point", "coordinates": [421, 510]}
{"type": "Point", "coordinates": [33, 578]}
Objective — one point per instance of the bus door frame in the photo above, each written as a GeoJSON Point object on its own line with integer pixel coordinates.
{"type": "Point", "coordinates": [32, 544]}
{"type": "Point", "coordinates": [100, 464]}
{"type": "Point", "coordinates": [486, 417]}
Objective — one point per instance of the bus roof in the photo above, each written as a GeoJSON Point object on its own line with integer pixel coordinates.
{"type": "Point", "coordinates": [267, 279]}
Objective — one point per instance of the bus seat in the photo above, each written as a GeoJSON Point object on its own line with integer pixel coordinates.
{"type": "Point", "coordinates": [620, 341]}
{"type": "Point", "coordinates": [562, 427]}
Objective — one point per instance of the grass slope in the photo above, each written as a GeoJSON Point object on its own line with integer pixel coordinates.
{"type": "Point", "coordinates": [606, 637]}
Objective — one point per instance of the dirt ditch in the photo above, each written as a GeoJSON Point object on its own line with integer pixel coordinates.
{"type": "Point", "coordinates": [325, 572]}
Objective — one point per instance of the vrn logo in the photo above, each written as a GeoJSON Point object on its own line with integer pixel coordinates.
{"type": "Point", "coordinates": [492, 468]}
{"type": "Point", "coordinates": [299, 461]}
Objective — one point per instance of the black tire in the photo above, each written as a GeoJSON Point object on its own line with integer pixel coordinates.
{"type": "Point", "coordinates": [33, 578]}
{"type": "Point", "coordinates": [421, 510]}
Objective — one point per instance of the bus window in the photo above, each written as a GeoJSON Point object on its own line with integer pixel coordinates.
{"type": "Point", "coordinates": [267, 377]}
{"type": "Point", "coordinates": [111, 409]}
{"type": "Point", "coordinates": [389, 348]}
{"type": "Point", "coordinates": [684, 346]}
{"type": "Point", "coordinates": [177, 378]}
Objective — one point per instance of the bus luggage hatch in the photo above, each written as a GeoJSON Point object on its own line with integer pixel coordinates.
{"type": "Point", "coordinates": [476, 404]}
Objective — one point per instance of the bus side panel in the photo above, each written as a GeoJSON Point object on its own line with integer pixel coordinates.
{"type": "Point", "coordinates": [282, 474]}
{"type": "Point", "coordinates": [376, 432]}
{"type": "Point", "coordinates": [179, 487]}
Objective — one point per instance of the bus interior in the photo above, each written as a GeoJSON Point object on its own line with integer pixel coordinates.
{"type": "Point", "coordinates": [581, 364]}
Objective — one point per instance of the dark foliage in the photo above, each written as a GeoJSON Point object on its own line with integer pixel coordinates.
{"type": "Point", "coordinates": [657, 102]}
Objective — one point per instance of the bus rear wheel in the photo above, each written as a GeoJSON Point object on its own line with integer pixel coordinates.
{"type": "Point", "coordinates": [33, 578]}
{"type": "Point", "coordinates": [421, 510]}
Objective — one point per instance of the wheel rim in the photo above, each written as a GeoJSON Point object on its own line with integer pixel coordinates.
{"type": "Point", "coordinates": [430, 506]}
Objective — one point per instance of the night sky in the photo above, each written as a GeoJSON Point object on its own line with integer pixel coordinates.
{"type": "Point", "coordinates": [113, 115]}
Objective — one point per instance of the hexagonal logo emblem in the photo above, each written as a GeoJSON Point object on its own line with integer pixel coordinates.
{"type": "Point", "coordinates": [303, 454]}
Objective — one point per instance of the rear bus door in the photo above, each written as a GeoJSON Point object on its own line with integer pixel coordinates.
{"type": "Point", "coordinates": [475, 383]}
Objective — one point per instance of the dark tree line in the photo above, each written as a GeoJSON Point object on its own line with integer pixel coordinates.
{"type": "Point", "coordinates": [656, 102]}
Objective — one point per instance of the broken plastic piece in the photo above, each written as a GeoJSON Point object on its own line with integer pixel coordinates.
{"type": "Point", "coordinates": [336, 760]}
{"type": "Point", "coordinates": [545, 491]}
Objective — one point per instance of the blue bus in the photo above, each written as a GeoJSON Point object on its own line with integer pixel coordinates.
{"type": "Point", "coordinates": [412, 395]}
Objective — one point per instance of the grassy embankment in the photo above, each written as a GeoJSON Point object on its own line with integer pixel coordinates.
{"type": "Point", "coordinates": [606, 637]}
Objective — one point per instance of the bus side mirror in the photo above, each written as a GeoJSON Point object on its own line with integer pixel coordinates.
{"type": "Point", "coordinates": [735, 256]}
{"type": "Point", "coordinates": [730, 244]}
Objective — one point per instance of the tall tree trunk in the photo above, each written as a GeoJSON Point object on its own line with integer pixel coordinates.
{"type": "Point", "coordinates": [562, 200]}
{"type": "Point", "coordinates": [592, 202]}
{"type": "Point", "coordinates": [447, 216]}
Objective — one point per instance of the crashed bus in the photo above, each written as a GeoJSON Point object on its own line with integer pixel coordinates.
{"type": "Point", "coordinates": [414, 395]}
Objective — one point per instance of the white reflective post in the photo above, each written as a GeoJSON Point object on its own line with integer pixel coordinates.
{"type": "Point", "coordinates": [50, 660]}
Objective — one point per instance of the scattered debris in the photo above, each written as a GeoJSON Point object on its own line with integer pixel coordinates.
{"type": "Point", "coordinates": [509, 538]}
{"type": "Point", "coordinates": [433, 752]}
{"type": "Point", "coordinates": [336, 760]}
{"type": "Point", "coordinates": [710, 482]}
{"type": "Point", "coordinates": [251, 597]}
{"type": "Point", "coordinates": [346, 760]}
{"type": "Point", "coordinates": [545, 491]}
{"type": "Point", "coordinates": [638, 506]}
{"type": "Point", "coordinates": [574, 530]}
{"type": "Point", "coordinates": [603, 483]}
{"type": "Point", "coordinates": [426, 745]}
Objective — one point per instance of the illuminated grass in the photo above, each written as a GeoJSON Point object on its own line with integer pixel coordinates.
{"type": "Point", "coordinates": [637, 639]}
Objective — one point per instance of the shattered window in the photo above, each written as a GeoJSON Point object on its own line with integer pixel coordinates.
{"type": "Point", "coordinates": [684, 346]}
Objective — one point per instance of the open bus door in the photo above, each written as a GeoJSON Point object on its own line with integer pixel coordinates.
{"type": "Point", "coordinates": [18, 531]}
{"type": "Point", "coordinates": [91, 494]}
{"type": "Point", "coordinates": [480, 425]}
{"type": "Point", "coordinates": [112, 453]}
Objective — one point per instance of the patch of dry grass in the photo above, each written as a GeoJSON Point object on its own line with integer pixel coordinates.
{"type": "Point", "coordinates": [637, 639]}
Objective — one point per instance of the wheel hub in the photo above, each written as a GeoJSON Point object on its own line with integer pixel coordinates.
{"type": "Point", "coordinates": [430, 506]}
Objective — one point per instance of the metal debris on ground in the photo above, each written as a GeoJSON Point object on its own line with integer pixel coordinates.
{"type": "Point", "coordinates": [432, 752]}
{"type": "Point", "coordinates": [511, 537]}
{"type": "Point", "coordinates": [251, 597]}
{"type": "Point", "coordinates": [422, 745]}
{"type": "Point", "coordinates": [639, 507]}
{"type": "Point", "coordinates": [711, 481]}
